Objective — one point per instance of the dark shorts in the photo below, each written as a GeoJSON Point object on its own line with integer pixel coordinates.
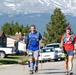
{"type": "Point", "coordinates": [69, 53]}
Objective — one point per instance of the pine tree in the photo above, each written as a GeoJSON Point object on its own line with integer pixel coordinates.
{"type": "Point", "coordinates": [6, 28]}
{"type": "Point", "coordinates": [56, 27]}
{"type": "Point", "coordinates": [12, 28]}
{"type": "Point", "coordinates": [26, 30]}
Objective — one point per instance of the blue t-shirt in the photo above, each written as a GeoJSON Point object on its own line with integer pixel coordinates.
{"type": "Point", "coordinates": [33, 40]}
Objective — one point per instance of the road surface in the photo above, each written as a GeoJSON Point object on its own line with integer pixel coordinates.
{"type": "Point", "coordinates": [48, 68]}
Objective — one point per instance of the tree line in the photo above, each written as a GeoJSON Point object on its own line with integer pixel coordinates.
{"type": "Point", "coordinates": [55, 28]}
{"type": "Point", "coordinates": [12, 28]}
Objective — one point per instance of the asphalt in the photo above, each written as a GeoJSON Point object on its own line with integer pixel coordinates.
{"type": "Point", "coordinates": [48, 68]}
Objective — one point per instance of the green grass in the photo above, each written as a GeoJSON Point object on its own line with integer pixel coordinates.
{"type": "Point", "coordinates": [13, 59]}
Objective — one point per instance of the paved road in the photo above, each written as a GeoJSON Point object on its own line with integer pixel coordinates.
{"type": "Point", "coordinates": [48, 68]}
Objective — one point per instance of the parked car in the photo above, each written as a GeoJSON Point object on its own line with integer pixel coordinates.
{"type": "Point", "coordinates": [4, 51]}
{"type": "Point", "coordinates": [60, 54]}
{"type": "Point", "coordinates": [55, 45]}
{"type": "Point", "coordinates": [57, 48]}
{"type": "Point", "coordinates": [48, 53]}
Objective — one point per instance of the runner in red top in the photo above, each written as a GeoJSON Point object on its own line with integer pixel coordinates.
{"type": "Point", "coordinates": [68, 44]}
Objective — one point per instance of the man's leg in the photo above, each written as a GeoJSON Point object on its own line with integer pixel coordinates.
{"type": "Point", "coordinates": [36, 55]}
{"type": "Point", "coordinates": [31, 63]}
{"type": "Point", "coordinates": [30, 56]}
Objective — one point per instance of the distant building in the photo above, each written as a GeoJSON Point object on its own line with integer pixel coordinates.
{"type": "Point", "coordinates": [11, 40]}
{"type": "Point", "coordinates": [16, 41]}
{"type": "Point", "coordinates": [3, 39]}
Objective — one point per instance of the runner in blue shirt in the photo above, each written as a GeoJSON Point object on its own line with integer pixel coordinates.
{"type": "Point", "coordinates": [32, 40]}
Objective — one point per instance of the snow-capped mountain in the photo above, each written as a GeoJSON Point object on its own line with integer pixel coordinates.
{"type": "Point", "coordinates": [36, 6]}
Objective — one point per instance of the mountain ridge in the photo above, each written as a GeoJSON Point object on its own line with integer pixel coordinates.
{"type": "Point", "coordinates": [37, 6]}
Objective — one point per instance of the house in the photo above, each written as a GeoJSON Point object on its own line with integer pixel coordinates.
{"type": "Point", "coordinates": [12, 41]}
{"type": "Point", "coordinates": [3, 39]}
{"type": "Point", "coordinates": [16, 41]}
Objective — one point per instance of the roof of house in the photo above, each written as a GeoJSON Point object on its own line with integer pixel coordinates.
{"type": "Point", "coordinates": [17, 37]}
{"type": "Point", "coordinates": [14, 37]}
{"type": "Point", "coordinates": [1, 32]}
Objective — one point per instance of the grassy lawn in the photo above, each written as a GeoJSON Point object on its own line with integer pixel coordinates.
{"type": "Point", "coordinates": [13, 59]}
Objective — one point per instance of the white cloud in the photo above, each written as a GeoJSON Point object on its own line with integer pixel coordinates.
{"type": "Point", "coordinates": [74, 0]}
{"type": "Point", "coordinates": [9, 4]}
{"type": "Point", "coordinates": [48, 2]}
{"type": "Point", "coordinates": [64, 0]}
{"type": "Point", "coordinates": [41, 1]}
{"type": "Point", "coordinates": [7, 0]}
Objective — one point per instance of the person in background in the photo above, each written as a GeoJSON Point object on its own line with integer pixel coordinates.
{"type": "Point", "coordinates": [68, 43]}
{"type": "Point", "coordinates": [32, 48]}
